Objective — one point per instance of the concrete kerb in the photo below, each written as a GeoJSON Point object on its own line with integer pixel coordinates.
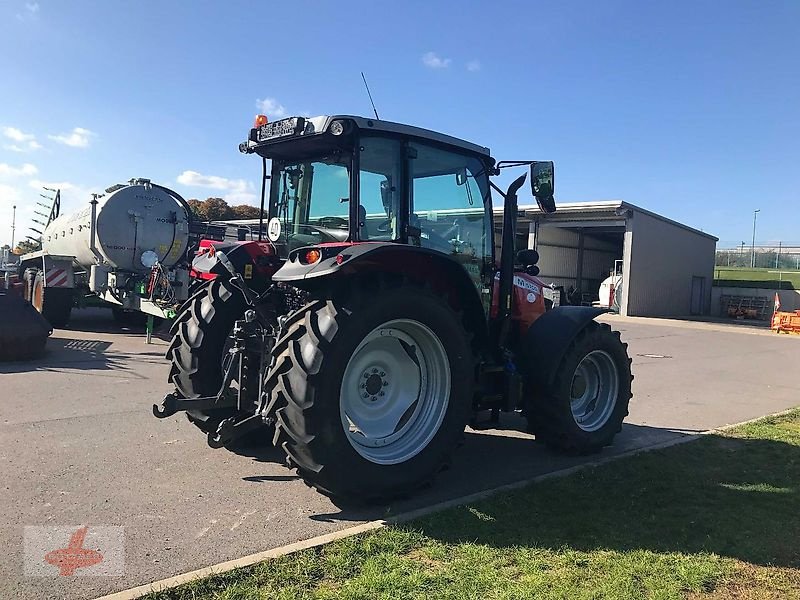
{"type": "Point", "coordinates": [246, 561]}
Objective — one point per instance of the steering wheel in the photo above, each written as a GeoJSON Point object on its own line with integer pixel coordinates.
{"type": "Point", "coordinates": [334, 223]}
{"type": "Point", "coordinates": [384, 226]}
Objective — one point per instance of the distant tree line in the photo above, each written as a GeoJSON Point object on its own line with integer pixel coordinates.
{"type": "Point", "coordinates": [216, 209]}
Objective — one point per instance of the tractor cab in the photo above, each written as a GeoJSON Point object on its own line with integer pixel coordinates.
{"type": "Point", "coordinates": [342, 180]}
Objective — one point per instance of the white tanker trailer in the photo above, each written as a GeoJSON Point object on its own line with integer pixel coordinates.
{"type": "Point", "coordinates": [128, 248]}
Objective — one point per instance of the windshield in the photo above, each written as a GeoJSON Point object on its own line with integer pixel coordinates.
{"type": "Point", "coordinates": [311, 199]}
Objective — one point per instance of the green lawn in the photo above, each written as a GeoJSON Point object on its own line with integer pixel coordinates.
{"type": "Point", "coordinates": [763, 278]}
{"type": "Point", "coordinates": [711, 519]}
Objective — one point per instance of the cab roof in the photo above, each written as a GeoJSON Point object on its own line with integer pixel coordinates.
{"type": "Point", "coordinates": [322, 123]}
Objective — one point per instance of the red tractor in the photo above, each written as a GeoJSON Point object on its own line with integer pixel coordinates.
{"type": "Point", "coordinates": [375, 322]}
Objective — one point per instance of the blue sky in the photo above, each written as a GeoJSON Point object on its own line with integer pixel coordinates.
{"type": "Point", "coordinates": [689, 109]}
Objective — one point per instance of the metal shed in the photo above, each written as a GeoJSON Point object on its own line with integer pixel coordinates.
{"type": "Point", "coordinates": [667, 268]}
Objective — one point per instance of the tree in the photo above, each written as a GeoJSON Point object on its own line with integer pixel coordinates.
{"type": "Point", "coordinates": [216, 209]}
{"type": "Point", "coordinates": [26, 246]}
{"type": "Point", "coordinates": [245, 211]}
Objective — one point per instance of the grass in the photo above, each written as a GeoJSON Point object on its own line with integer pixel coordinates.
{"type": "Point", "coordinates": [756, 278]}
{"type": "Point", "coordinates": [711, 519]}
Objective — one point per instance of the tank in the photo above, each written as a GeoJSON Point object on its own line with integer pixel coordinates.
{"type": "Point", "coordinates": [131, 221]}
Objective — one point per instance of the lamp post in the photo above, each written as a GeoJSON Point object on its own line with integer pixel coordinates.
{"type": "Point", "coordinates": [753, 245]}
{"type": "Point", "coordinates": [13, 225]}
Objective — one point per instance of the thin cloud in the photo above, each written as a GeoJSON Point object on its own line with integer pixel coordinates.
{"type": "Point", "coordinates": [473, 66]}
{"type": "Point", "coordinates": [79, 137]}
{"type": "Point", "coordinates": [23, 142]}
{"type": "Point", "coordinates": [26, 170]}
{"type": "Point", "coordinates": [30, 12]}
{"type": "Point", "coordinates": [270, 107]}
{"type": "Point", "coordinates": [434, 61]}
{"type": "Point", "coordinates": [236, 190]}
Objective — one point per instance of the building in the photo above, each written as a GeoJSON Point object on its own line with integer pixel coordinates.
{"type": "Point", "coordinates": [666, 268]}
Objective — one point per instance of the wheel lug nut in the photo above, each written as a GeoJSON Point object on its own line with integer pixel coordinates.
{"type": "Point", "coordinates": [366, 375]}
{"type": "Point", "coordinates": [366, 395]}
{"type": "Point", "coordinates": [363, 385]}
{"type": "Point", "coordinates": [383, 374]}
{"type": "Point", "coordinates": [374, 398]}
{"type": "Point", "coordinates": [374, 371]}
{"type": "Point", "coordinates": [383, 393]}
{"type": "Point", "coordinates": [385, 383]}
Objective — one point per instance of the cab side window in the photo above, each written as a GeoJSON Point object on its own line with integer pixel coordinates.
{"type": "Point", "coordinates": [447, 203]}
{"type": "Point", "coordinates": [380, 188]}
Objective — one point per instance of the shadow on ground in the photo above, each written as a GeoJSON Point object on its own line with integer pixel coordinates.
{"type": "Point", "coordinates": [719, 495]}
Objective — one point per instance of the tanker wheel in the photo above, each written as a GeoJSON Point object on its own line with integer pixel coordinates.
{"type": "Point", "coordinates": [54, 303]}
{"type": "Point", "coordinates": [583, 409]}
{"type": "Point", "coordinates": [201, 337]}
{"type": "Point", "coordinates": [374, 392]}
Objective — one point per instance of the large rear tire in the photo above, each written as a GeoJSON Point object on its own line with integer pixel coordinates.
{"type": "Point", "coordinates": [54, 303]}
{"type": "Point", "coordinates": [374, 392]}
{"type": "Point", "coordinates": [200, 341]}
{"type": "Point", "coordinates": [583, 409]}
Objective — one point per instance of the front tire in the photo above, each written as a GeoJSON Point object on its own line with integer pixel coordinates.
{"type": "Point", "coordinates": [584, 407]}
{"type": "Point", "coordinates": [374, 392]}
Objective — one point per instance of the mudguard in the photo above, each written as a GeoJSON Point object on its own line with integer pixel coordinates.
{"type": "Point", "coordinates": [429, 267]}
{"type": "Point", "coordinates": [546, 341]}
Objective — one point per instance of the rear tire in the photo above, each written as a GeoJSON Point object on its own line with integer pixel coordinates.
{"type": "Point", "coordinates": [54, 303]}
{"type": "Point", "coordinates": [583, 409]}
{"type": "Point", "coordinates": [313, 371]}
{"type": "Point", "coordinates": [200, 335]}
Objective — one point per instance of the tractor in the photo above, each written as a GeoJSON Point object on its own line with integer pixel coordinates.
{"type": "Point", "coordinates": [371, 320]}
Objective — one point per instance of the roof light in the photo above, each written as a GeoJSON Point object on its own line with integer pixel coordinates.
{"type": "Point", "coordinates": [259, 121]}
{"type": "Point", "coordinates": [336, 128]}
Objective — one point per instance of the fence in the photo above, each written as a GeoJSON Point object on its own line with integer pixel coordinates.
{"type": "Point", "coordinates": [772, 255]}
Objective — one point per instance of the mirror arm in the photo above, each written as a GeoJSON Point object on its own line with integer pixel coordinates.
{"type": "Point", "coordinates": [496, 188]}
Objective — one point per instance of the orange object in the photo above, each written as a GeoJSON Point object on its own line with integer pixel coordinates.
{"type": "Point", "coordinates": [786, 322]}
{"type": "Point", "coordinates": [313, 256]}
{"type": "Point", "coordinates": [259, 121]}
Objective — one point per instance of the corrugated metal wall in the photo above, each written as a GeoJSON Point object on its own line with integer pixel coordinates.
{"type": "Point", "coordinates": [663, 260]}
{"type": "Point", "coordinates": [558, 251]}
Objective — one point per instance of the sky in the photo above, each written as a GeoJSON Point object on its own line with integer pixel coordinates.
{"type": "Point", "coordinates": [688, 109]}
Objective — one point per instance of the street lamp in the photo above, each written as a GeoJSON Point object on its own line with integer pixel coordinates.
{"type": "Point", "coordinates": [753, 246]}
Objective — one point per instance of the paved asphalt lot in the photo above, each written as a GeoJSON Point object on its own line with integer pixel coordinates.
{"type": "Point", "coordinates": [78, 445]}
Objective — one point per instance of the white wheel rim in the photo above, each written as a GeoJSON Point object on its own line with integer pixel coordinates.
{"type": "Point", "coordinates": [395, 392]}
{"type": "Point", "coordinates": [594, 390]}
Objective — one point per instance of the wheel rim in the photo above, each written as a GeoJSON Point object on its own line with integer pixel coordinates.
{"type": "Point", "coordinates": [594, 390]}
{"type": "Point", "coordinates": [395, 392]}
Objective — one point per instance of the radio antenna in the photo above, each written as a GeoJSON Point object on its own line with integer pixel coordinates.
{"type": "Point", "coordinates": [366, 85]}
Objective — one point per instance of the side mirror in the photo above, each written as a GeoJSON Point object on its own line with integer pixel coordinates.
{"type": "Point", "coordinates": [461, 177]}
{"type": "Point", "coordinates": [543, 184]}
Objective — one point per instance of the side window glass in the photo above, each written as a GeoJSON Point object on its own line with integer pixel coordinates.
{"type": "Point", "coordinates": [447, 204]}
{"type": "Point", "coordinates": [380, 188]}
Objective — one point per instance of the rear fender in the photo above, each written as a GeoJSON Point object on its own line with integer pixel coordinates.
{"type": "Point", "coordinates": [340, 263]}
{"type": "Point", "coordinates": [546, 341]}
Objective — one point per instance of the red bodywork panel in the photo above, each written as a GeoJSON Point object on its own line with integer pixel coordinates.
{"type": "Point", "coordinates": [254, 249]}
{"type": "Point", "coordinates": [528, 301]}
